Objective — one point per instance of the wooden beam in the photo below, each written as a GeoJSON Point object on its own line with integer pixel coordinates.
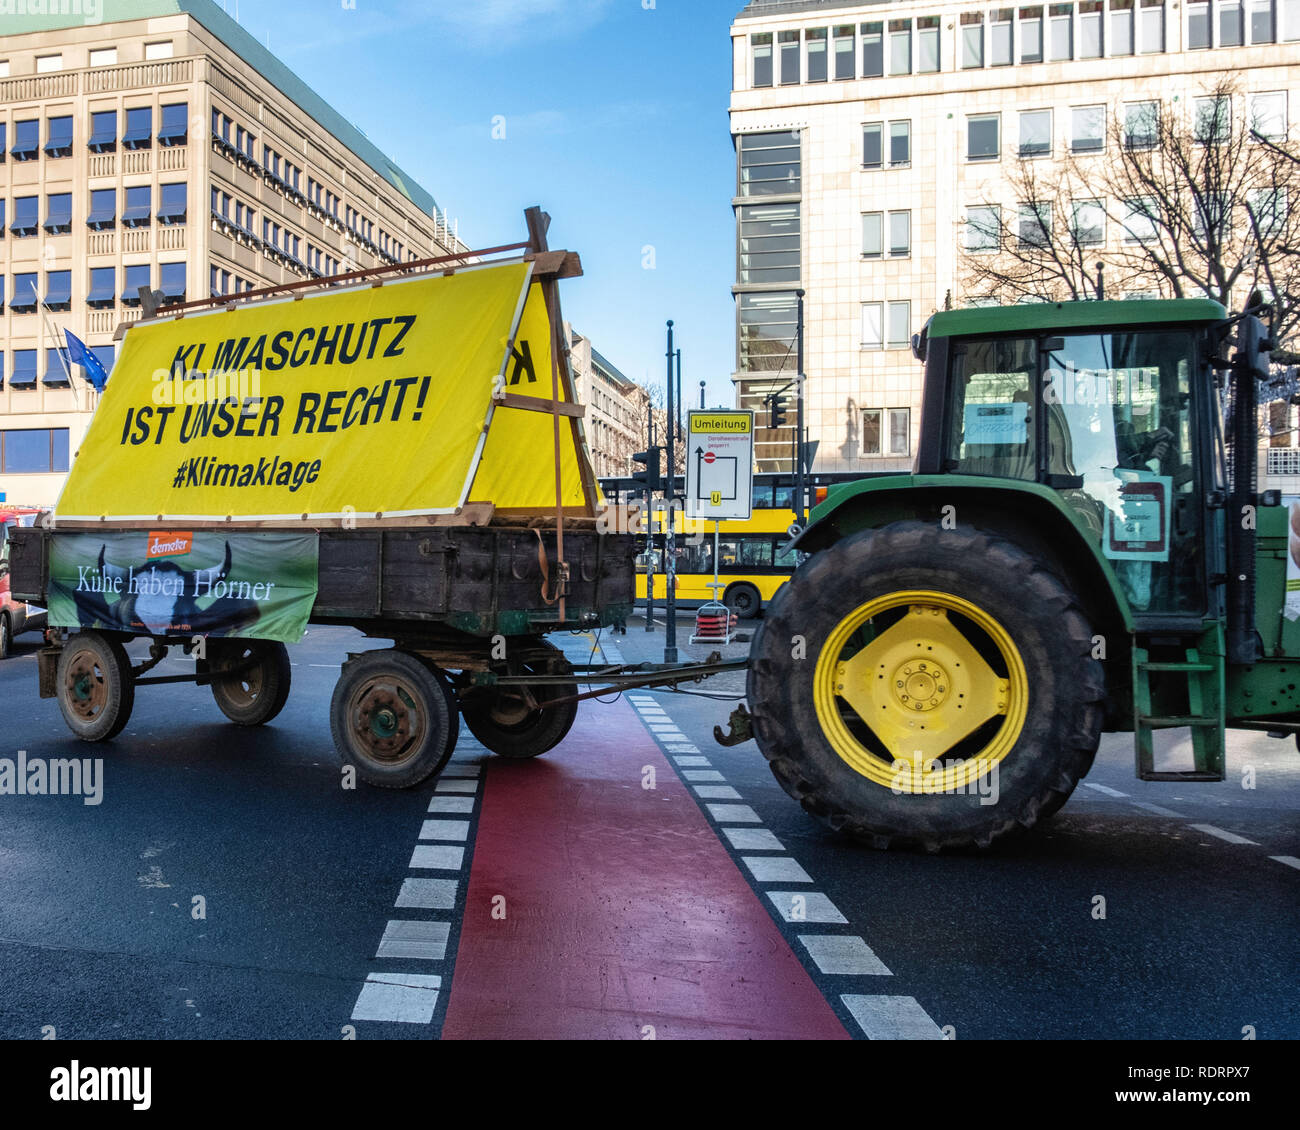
{"type": "Point", "coordinates": [555, 264]}
{"type": "Point", "coordinates": [538, 404]}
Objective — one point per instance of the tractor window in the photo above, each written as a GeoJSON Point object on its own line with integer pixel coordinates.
{"type": "Point", "coordinates": [991, 431]}
{"type": "Point", "coordinates": [1120, 448]}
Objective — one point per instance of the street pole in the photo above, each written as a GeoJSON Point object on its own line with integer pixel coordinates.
{"type": "Point", "coordinates": [798, 431]}
{"type": "Point", "coordinates": [701, 395]}
{"type": "Point", "coordinates": [670, 501]}
{"type": "Point", "coordinates": [650, 532]}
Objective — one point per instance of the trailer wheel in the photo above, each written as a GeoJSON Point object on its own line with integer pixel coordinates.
{"type": "Point", "coordinates": [391, 719]}
{"type": "Point", "coordinates": [255, 695]}
{"type": "Point", "coordinates": [509, 725]}
{"type": "Point", "coordinates": [744, 600]}
{"type": "Point", "coordinates": [907, 695]}
{"type": "Point", "coordinates": [94, 686]}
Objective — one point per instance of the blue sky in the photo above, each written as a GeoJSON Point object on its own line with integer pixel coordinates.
{"type": "Point", "coordinates": [615, 120]}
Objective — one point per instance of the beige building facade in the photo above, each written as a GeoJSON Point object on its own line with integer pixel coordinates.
{"type": "Point", "coordinates": [162, 146]}
{"type": "Point", "coordinates": [865, 135]}
{"type": "Point", "coordinates": [617, 409]}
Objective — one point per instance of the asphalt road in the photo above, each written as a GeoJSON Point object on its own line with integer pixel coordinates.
{"type": "Point", "coordinates": [101, 935]}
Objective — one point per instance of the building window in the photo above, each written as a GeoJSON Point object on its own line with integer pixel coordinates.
{"type": "Point", "coordinates": [845, 62]}
{"type": "Point", "coordinates": [1139, 220]}
{"type": "Point", "coordinates": [4, 142]}
{"type": "Point", "coordinates": [1030, 32]}
{"type": "Point", "coordinates": [769, 165]}
{"type": "Point", "coordinates": [106, 355]}
{"type": "Point", "coordinates": [171, 281]}
{"type": "Point", "coordinates": [58, 373]}
{"type": "Point", "coordinates": [1121, 27]}
{"type": "Point", "coordinates": [1088, 222]}
{"type": "Point", "coordinates": [1262, 29]}
{"type": "Point", "coordinates": [24, 377]}
{"type": "Point", "coordinates": [1268, 208]}
{"type": "Point", "coordinates": [1001, 37]}
{"type": "Point", "coordinates": [136, 277]}
{"type": "Point", "coordinates": [138, 210]}
{"type": "Point", "coordinates": [769, 243]}
{"type": "Point", "coordinates": [103, 56]}
{"type": "Point", "coordinates": [1198, 27]}
{"type": "Point", "coordinates": [1152, 40]}
{"type": "Point", "coordinates": [983, 227]}
{"type": "Point", "coordinates": [58, 213]}
{"type": "Point", "coordinates": [760, 48]}
{"type": "Point", "coordinates": [103, 131]}
{"type": "Point", "coordinates": [160, 50]}
{"type": "Point", "coordinates": [4, 68]}
{"type": "Point", "coordinates": [873, 155]}
{"type": "Point", "coordinates": [103, 209]}
{"type": "Point", "coordinates": [1268, 116]}
{"type": "Point", "coordinates": [788, 41]}
{"type": "Point", "coordinates": [27, 140]}
{"type": "Point", "coordinates": [1290, 20]}
{"type": "Point", "coordinates": [139, 128]}
{"type": "Point", "coordinates": [815, 47]}
{"type": "Point", "coordinates": [898, 438]}
{"type": "Point", "coordinates": [982, 142]}
{"type": "Point", "coordinates": [1090, 42]}
{"type": "Point", "coordinates": [24, 293]}
{"type": "Point", "coordinates": [900, 144]}
{"type": "Point", "coordinates": [1231, 23]}
{"type": "Point", "coordinates": [1141, 124]}
{"type": "Point", "coordinates": [927, 45]}
{"type": "Point", "coordinates": [172, 203]}
{"type": "Point", "coordinates": [1212, 120]}
{"type": "Point", "coordinates": [873, 328]}
{"type": "Point", "coordinates": [47, 64]}
{"type": "Point", "coordinates": [32, 451]}
{"type": "Point", "coordinates": [1088, 129]}
{"type": "Point", "coordinates": [59, 137]}
{"type": "Point", "coordinates": [873, 50]}
{"type": "Point", "coordinates": [27, 216]}
{"type": "Point", "coordinates": [1060, 20]}
{"type": "Point", "coordinates": [1034, 223]}
{"type": "Point", "coordinates": [768, 324]}
{"type": "Point", "coordinates": [175, 128]}
{"type": "Point", "coordinates": [58, 290]}
{"type": "Point", "coordinates": [1213, 217]}
{"type": "Point", "coordinates": [900, 47]}
{"type": "Point", "coordinates": [1035, 133]}
{"type": "Point", "coordinates": [103, 287]}
{"type": "Point", "coordinates": [972, 40]}
{"type": "Point", "coordinates": [875, 226]}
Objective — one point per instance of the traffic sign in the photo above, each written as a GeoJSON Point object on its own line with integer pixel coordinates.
{"type": "Point", "coordinates": [719, 464]}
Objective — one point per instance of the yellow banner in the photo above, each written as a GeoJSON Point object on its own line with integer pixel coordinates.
{"type": "Point", "coordinates": [722, 423]}
{"type": "Point", "coordinates": [361, 402]}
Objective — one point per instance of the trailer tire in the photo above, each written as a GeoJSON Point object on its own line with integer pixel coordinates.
{"type": "Point", "coordinates": [94, 686]}
{"type": "Point", "coordinates": [744, 600]}
{"type": "Point", "coordinates": [254, 696]}
{"type": "Point", "coordinates": [6, 635]}
{"type": "Point", "coordinates": [391, 719]}
{"type": "Point", "coordinates": [508, 727]}
{"type": "Point", "coordinates": [913, 622]}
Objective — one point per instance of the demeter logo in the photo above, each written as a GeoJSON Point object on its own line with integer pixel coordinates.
{"type": "Point", "coordinates": [168, 544]}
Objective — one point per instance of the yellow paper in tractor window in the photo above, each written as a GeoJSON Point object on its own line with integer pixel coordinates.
{"type": "Point", "coordinates": [365, 401]}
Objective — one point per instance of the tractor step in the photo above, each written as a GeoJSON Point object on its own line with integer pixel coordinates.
{"type": "Point", "coordinates": [1188, 691]}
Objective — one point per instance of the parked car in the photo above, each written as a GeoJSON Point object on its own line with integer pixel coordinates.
{"type": "Point", "coordinates": [15, 616]}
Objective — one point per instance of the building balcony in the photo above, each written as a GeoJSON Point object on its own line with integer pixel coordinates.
{"type": "Point", "coordinates": [137, 161]}
{"type": "Point", "coordinates": [102, 243]}
{"type": "Point", "coordinates": [137, 239]}
{"type": "Point", "coordinates": [103, 164]}
{"type": "Point", "coordinates": [173, 159]}
{"type": "Point", "coordinates": [171, 238]}
{"type": "Point", "coordinates": [102, 321]}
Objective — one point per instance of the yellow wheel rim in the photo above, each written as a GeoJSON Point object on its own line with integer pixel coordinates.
{"type": "Point", "coordinates": [921, 691]}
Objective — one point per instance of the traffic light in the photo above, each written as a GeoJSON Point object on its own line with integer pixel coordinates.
{"type": "Point", "coordinates": [649, 478]}
{"type": "Point", "coordinates": [776, 406]}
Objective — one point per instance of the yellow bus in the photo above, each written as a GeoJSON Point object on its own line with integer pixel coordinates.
{"type": "Point", "coordinates": [753, 560]}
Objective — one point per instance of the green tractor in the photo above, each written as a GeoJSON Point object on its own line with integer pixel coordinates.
{"type": "Point", "coordinates": [1080, 548]}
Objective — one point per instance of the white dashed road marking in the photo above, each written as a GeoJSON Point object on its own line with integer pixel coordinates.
{"type": "Point", "coordinates": [424, 941]}
{"type": "Point", "coordinates": [843, 954]}
{"type": "Point", "coordinates": [806, 906]}
{"type": "Point", "coordinates": [428, 894]}
{"type": "Point", "coordinates": [753, 839]}
{"type": "Point", "coordinates": [441, 857]}
{"type": "Point", "coordinates": [1219, 833]}
{"type": "Point", "coordinates": [891, 1018]}
{"type": "Point", "coordinates": [402, 998]}
{"type": "Point", "coordinates": [775, 869]}
{"type": "Point", "coordinates": [1155, 808]}
{"type": "Point", "coordinates": [1289, 860]}
{"type": "Point", "coordinates": [1105, 789]}
{"type": "Point", "coordinates": [733, 813]}
{"type": "Point", "coordinates": [445, 830]}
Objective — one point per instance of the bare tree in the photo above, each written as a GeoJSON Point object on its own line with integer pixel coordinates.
{"type": "Point", "coordinates": [1198, 203]}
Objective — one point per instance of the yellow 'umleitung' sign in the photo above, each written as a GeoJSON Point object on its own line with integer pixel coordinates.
{"type": "Point", "coordinates": [359, 402]}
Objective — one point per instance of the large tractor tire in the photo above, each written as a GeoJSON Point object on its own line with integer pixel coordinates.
{"type": "Point", "coordinates": [515, 722]}
{"type": "Point", "coordinates": [392, 718]}
{"type": "Point", "coordinates": [6, 635]}
{"type": "Point", "coordinates": [94, 686]}
{"type": "Point", "coordinates": [915, 686]}
{"type": "Point", "coordinates": [250, 679]}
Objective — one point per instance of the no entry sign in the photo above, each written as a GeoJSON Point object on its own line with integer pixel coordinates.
{"type": "Point", "coordinates": [720, 464]}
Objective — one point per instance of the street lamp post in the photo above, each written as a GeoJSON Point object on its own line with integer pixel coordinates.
{"type": "Point", "coordinates": [799, 444]}
{"type": "Point", "coordinates": [670, 504]}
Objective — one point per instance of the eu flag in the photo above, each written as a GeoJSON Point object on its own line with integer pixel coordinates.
{"type": "Point", "coordinates": [78, 354]}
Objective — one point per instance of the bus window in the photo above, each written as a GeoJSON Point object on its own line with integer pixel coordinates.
{"type": "Point", "coordinates": [762, 496]}
{"type": "Point", "coordinates": [756, 552]}
{"type": "Point", "coordinates": [783, 498]}
{"type": "Point", "coordinates": [788, 558]}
